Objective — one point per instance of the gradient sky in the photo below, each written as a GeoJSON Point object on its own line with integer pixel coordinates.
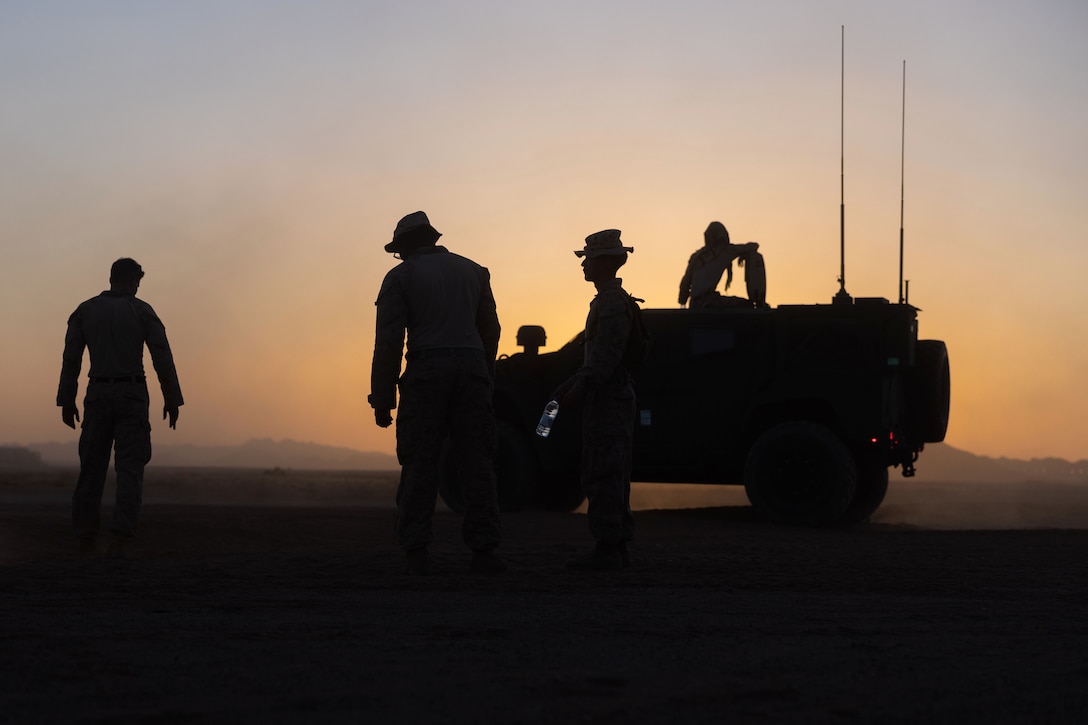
{"type": "Point", "coordinates": [255, 156]}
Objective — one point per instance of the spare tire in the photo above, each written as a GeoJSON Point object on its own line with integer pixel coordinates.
{"type": "Point", "coordinates": [929, 392]}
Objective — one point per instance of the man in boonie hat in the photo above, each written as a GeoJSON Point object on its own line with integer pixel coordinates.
{"type": "Point", "coordinates": [445, 304]}
{"type": "Point", "coordinates": [603, 387]}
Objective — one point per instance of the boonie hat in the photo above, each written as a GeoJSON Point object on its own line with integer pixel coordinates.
{"type": "Point", "coordinates": [603, 243]}
{"type": "Point", "coordinates": [408, 230]}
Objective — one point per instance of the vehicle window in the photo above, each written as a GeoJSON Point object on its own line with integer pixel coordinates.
{"type": "Point", "coordinates": [706, 342]}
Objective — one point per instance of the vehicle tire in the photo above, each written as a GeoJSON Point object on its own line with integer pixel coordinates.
{"type": "Point", "coordinates": [800, 473]}
{"type": "Point", "coordinates": [560, 491]}
{"type": "Point", "coordinates": [929, 393]}
{"type": "Point", "coordinates": [869, 493]}
{"type": "Point", "coordinates": [516, 472]}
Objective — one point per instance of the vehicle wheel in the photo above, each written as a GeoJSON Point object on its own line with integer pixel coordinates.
{"type": "Point", "coordinates": [872, 487]}
{"type": "Point", "coordinates": [930, 391]}
{"type": "Point", "coordinates": [516, 472]}
{"type": "Point", "coordinates": [800, 473]}
{"type": "Point", "coordinates": [560, 491]}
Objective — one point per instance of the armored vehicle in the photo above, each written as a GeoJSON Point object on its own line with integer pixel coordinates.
{"type": "Point", "coordinates": [806, 406]}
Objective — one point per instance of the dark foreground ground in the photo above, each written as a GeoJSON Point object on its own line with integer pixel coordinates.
{"type": "Point", "coordinates": [230, 613]}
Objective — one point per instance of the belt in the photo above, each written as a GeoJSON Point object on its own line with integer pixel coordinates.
{"type": "Point", "coordinates": [436, 353]}
{"type": "Point", "coordinates": [120, 379]}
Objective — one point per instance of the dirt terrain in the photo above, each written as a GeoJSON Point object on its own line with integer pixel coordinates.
{"type": "Point", "coordinates": [957, 604]}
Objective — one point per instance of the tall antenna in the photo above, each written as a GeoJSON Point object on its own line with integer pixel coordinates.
{"type": "Point", "coordinates": [842, 296]}
{"type": "Point", "coordinates": [902, 177]}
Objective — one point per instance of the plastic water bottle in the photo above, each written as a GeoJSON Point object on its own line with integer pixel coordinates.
{"type": "Point", "coordinates": [544, 427]}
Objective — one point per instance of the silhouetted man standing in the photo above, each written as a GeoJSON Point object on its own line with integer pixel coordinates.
{"type": "Point", "coordinates": [603, 385]}
{"type": "Point", "coordinates": [706, 266]}
{"type": "Point", "coordinates": [114, 327]}
{"type": "Point", "coordinates": [444, 302]}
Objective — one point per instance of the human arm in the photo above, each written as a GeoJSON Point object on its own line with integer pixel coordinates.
{"type": "Point", "coordinates": [71, 361]}
{"type": "Point", "coordinates": [391, 323]}
{"type": "Point", "coordinates": [607, 331]}
{"type": "Point", "coordinates": [162, 359]}
{"type": "Point", "coordinates": [685, 286]}
{"type": "Point", "coordinates": [487, 322]}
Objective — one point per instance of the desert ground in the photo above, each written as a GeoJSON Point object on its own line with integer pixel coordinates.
{"type": "Point", "coordinates": [278, 596]}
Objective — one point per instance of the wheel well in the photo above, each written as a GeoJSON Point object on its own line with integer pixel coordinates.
{"type": "Point", "coordinates": [812, 410]}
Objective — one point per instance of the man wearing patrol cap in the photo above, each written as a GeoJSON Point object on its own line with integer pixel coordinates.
{"type": "Point", "coordinates": [444, 302]}
{"type": "Point", "coordinates": [603, 387]}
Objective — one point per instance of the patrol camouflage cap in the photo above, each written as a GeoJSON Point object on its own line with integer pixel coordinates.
{"type": "Point", "coordinates": [603, 243]}
{"type": "Point", "coordinates": [409, 230]}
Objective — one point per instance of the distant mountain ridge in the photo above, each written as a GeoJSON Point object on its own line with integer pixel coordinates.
{"type": "Point", "coordinates": [938, 462]}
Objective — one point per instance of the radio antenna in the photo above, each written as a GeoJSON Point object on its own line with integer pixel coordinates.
{"type": "Point", "coordinates": [842, 296]}
{"type": "Point", "coordinates": [902, 177]}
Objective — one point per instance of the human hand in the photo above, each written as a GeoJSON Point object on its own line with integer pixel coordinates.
{"type": "Point", "coordinates": [70, 415]}
{"type": "Point", "coordinates": [172, 411]}
{"type": "Point", "coordinates": [384, 418]}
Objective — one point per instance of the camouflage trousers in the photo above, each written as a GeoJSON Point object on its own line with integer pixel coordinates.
{"type": "Point", "coordinates": [115, 416]}
{"type": "Point", "coordinates": [440, 398]}
{"type": "Point", "coordinates": [607, 434]}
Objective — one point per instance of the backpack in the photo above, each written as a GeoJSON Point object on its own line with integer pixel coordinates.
{"type": "Point", "coordinates": [638, 342]}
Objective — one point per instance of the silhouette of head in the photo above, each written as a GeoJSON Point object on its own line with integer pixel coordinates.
{"type": "Point", "coordinates": [413, 232]}
{"type": "Point", "coordinates": [716, 234]}
{"type": "Point", "coordinates": [603, 254]}
{"type": "Point", "coordinates": [125, 275]}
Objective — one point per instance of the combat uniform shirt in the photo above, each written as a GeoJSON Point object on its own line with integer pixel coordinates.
{"type": "Point", "coordinates": [608, 327]}
{"type": "Point", "coordinates": [443, 300]}
{"type": "Point", "coordinates": [114, 327]}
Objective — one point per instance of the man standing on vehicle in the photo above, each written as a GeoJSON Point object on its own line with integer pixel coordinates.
{"type": "Point", "coordinates": [705, 268]}
{"type": "Point", "coordinates": [444, 302]}
{"type": "Point", "coordinates": [602, 386]}
{"type": "Point", "coordinates": [114, 327]}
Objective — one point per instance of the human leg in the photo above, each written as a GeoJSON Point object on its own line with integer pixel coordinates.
{"type": "Point", "coordinates": [95, 442]}
{"type": "Point", "coordinates": [421, 429]}
{"type": "Point", "coordinates": [472, 432]}
{"type": "Point", "coordinates": [606, 468]}
{"type": "Point", "coordinates": [132, 451]}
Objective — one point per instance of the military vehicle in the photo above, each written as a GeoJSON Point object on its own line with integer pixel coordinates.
{"type": "Point", "coordinates": [806, 406]}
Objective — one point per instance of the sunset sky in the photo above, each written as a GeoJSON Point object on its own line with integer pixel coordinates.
{"type": "Point", "coordinates": [254, 157]}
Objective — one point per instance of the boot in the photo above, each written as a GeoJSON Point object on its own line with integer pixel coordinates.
{"type": "Point", "coordinates": [486, 561]}
{"type": "Point", "coordinates": [604, 557]}
{"type": "Point", "coordinates": [418, 563]}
